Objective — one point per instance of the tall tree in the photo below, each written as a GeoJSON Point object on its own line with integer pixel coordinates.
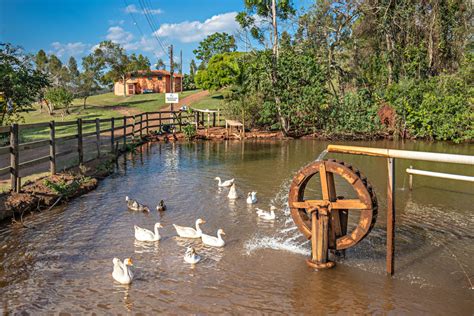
{"type": "Point", "coordinates": [268, 10]}
{"type": "Point", "coordinates": [41, 61]}
{"type": "Point", "coordinates": [192, 68]}
{"type": "Point", "coordinates": [139, 62]}
{"type": "Point", "coordinates": [160, 64]}
{"type": "Point", "coordinates": [89, 79]}
{"type": "Point", "coordinates": [214, 44]}
{"type": "Point", "coordinates": [112, 56]}
{"type": "Point", "coordinates": [20, 82]}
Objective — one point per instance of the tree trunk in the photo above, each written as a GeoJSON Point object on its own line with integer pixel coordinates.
{"type": "Point", "coordinates": [283, 121]}
{"type": "Point", "coordinates": [84, 105]}
{"type": "Point", "coordinates": [389, 45]}
{"type": "Point", "coordinates": [124, 86]}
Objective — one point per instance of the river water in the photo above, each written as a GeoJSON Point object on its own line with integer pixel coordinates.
{"type": "Point", "coordinates": [63, 261]}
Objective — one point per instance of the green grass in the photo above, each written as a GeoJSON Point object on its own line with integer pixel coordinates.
{"type": "Point", "coordinates": [101, 106]}
{"type": "Point", "coordinates": [211, 102]}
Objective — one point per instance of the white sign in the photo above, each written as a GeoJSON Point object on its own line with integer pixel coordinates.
{"type": "Point", "coordinates": [171, 98]}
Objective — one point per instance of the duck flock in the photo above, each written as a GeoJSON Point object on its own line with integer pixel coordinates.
{"type": "Point", "coordinates": [122, 271]}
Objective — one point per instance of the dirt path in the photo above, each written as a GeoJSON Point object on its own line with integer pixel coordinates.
{"type": "Point", "coordinates": [189, 100]}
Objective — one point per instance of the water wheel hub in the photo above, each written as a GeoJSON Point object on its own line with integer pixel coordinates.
{"type": "Point", "coordinates": [325, 221]}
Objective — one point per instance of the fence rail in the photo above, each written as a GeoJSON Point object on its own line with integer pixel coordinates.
{"type": "Point", "coordinates": [96, 135]}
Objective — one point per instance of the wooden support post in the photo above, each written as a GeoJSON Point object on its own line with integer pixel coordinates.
{"type": "Point", "coordinates": [133, 127]}
{"type": "Point", "coordinates": [97, 135]}
{"type": "Point", "coordinates": [208, 123]}
{"type": "Point", "coordinates": [218, 117]}
{"type": "Point", "coordinates": [213, 119]}
{"type": "Point", "coordinates": [52, 148]}
{"type": "Point", "coordinates": [147, 123]}
{"type": "Point", "coordinates": [196, 119]}
{"type": "Point", "coordinates": [141, 126]}
{"type": "Point", "coordinates": [390, 215]}
{"type": "Point", "coordinates": [159, 116]}
{"type": "Point", "coordinates": [14, 158]}
{"type": "Point", "coordinates": [112, 135]}
{"type": "Point", "coordinates": [410, 180]}
{"type": "Point", "coordinates": [80, 149]}
{"type": "Point", "coordinates": [124, 131]}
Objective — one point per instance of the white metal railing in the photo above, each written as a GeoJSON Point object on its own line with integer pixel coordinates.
{"type": "Point", "coordinates": [412, 172]}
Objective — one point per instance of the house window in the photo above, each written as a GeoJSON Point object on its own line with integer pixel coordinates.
{"type": "Point", "coordinates": [150, 78]}
{"type": "Point", "coordinates": [160, 77]}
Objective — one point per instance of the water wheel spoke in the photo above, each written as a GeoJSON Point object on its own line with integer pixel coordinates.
{"type": "Point", "coordinates": [349, 205]}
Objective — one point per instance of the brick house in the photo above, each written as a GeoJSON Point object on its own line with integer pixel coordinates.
{"type": "Point", "coordinates": [149, 81]}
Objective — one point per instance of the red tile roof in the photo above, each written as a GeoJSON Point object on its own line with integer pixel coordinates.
{"type": "Point", "coordinates": [157, 72]}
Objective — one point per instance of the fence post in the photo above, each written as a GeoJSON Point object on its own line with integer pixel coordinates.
{"type": "Point", "coordinates": [390, 215]}
{"type": "Point", "coordinates": [141, 125]}
{"type": "Point", "coordinates": [52, 147]}
{"type": "Point", "coordinates": [213, 119]}
{"type": "Point", "coordinates": [112, 134]}
{"type": "Point", "coordinates": [218, 117]}
{"type": "Point", "coordinates": [97, 133]}
{"type": "Point", "coordinates": [160, 121]}
{"type": "Point", "coordinates": [80, 150]}
{"type": "Point", "coordinates": [133, 127]}
{"type": "Point", "coordinates": [410, 180]}
{"type": "Point", "coordinates": [124, 131]}
{"type": "Point", "coordinates": [14, 159]}
{"type": "Point", "coordinates": [146, 117]}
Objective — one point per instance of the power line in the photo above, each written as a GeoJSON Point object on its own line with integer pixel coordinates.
{"type": "Point", "coordinates": [150, 23]}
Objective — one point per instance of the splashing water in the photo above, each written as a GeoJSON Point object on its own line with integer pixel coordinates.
{"type": "Point", "coordinates": [322, 155]}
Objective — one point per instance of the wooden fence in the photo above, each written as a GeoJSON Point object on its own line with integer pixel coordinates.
{"type": "Point", "coordinates": [91, 137]}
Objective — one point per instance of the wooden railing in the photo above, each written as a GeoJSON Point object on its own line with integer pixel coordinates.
{"type": "Point", "coordinates": [98, 135]}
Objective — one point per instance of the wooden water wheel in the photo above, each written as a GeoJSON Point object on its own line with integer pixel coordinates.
{"type": "Point", "coordinates": [325, 221]}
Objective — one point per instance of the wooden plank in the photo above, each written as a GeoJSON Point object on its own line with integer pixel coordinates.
{"type": "Point", "coordinates": [67, 123]}
{"type": "Point", "coordinates": [390, 216]}
{"type": "Point", "coordinates": [4, 150]}
{"type": "Point", "coordinates": [4, 170]}
{"type": "Point", "coordinates": [4, 129]}
{"type": "Point", "coordinates": [64, 153]}
{"type": "Point", "coordinates": [340, 204]}
{"type": "Point", "coordinates": [33, 162]}
{"type": "Point", "coordinates": [33, 125]}
{"type": "Point", "coordinates": [80, 149]}
{"type": "Point", "coordinates": [14, 159]}
{"type": "Point", "coordinates": [88, 134]}
{"type": "Point", "coordinates": [32, 145]}
{"type": "Point", "coordinates": [52, 148]}
{"type": "Point", "coordinates": [112, 135]}
{"type": "Point", "coordinates": [65, 138]}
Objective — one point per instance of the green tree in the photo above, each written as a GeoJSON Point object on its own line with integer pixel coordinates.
{"type": "Point", "coordinates": [58, 98]}
{"type": "Point", "coordinates": [41, 60]}
{"type": "Point", "coordinates": [192, 68]}
{"type": "Point", "coordinates": [113, 57]}
{"type": "Point", "coordinates": [221, 71]}
{"type": "Point", "coordinates": [89, 79]}
{"type": "Point", "coordinates": [20, 83]}
{"type": "Point", "coordinates": [160, 64]}
{"type": "Point", "coordinates": [137, 63]}
{"type": "Point", "coordinates": [214, 44]}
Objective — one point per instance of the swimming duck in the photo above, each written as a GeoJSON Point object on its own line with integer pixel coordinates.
{"type": "Point", "coordinates": [161, 206]}
{"type": "Point", "coordinates": [227, 183]}
{"type": "Point", "coordinates": [122, 273]}
{"type": "Point", "coordinates": [134, 205]}
{"type": "Point", "coordinates": [142, 234]}
{"type": "Point", "coordinates": [232, 193]}
{"type": "Point", "coordinates": [214, 241]}
{"type": "Point", "coordinates": [267, 215]}
{"type": "Point", "coordinates": [252, 198]}
{"type": "Point", "coordinates": [189, 232]}
{"type": "Point", "coordinates": [191, 256]}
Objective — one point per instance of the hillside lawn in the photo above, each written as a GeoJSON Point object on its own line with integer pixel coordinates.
{"type": "Point", "coordinates": [213, 101]}
{"type": "Point", "coordinates": [101, 106]}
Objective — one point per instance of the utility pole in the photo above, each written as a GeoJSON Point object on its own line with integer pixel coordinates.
{"type": "Point", "coordinates": [171, 73]}
{"type": "Point", "coordinates": [181, 67]}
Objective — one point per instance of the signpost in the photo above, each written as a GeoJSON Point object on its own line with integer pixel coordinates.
{"type": "Point", "coordinates": [171, 98]}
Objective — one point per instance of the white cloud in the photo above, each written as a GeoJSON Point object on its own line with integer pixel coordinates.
{"type": "Point", "coordinates": [195, 31]}
{"type": "Point", "coordinates": [118, 35]}
{"type": "Point", "coordinates": [68, 49]}
{"type": "Point", "coordinates": [133, 9]}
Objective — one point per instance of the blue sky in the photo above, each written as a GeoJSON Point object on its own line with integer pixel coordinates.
{"type": "Point", "coordinates": [72, 27]}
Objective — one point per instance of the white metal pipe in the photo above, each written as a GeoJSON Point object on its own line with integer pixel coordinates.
{"type": "Point", "coordinates": [404, 154]}
{"type": "Point", "coordinates": [440, 175]}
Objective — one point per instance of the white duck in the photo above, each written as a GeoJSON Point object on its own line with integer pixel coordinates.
{"type": "Point", "coordinates": [267, 215]}
{"type": "Point", "coordinates": [232, 193]}
{"type": "Point", "coordinates": [189, 232]}
{"type": "Point", "coordinates": [122, 273]}
{"type": "Point", "coordinates": [252, 198]}
{"type": "Point", "coordinates": [143, 234]}
{"type": "Point", "coordinates": [191, 256]}
{"type": "Point", "coordinates": [227, 183]}
{"type": "Point", "coordinates": [214, 241]}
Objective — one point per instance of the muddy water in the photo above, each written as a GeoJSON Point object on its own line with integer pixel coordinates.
{"type": "Point", "coordinates": [63, 262]}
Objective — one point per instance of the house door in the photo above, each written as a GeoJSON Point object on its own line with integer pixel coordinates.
{"type": "Point", "coordinates": [131, 89]}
